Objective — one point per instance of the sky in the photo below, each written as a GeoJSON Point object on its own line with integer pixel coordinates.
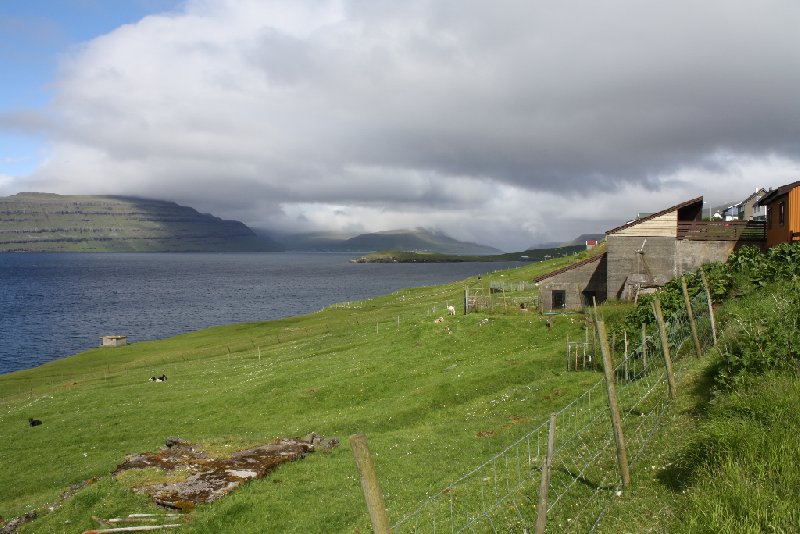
{"type": "Point", "coordinates": [508, 123]}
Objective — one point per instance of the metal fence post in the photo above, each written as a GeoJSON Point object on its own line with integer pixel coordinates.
{"type": "Point", "coordinates": [369, 484]}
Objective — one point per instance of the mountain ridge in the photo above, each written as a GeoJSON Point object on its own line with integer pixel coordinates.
{"type": "Point", "coordinates": [416, 240]}
{"type": "Point", "coordinates": [48, 222]}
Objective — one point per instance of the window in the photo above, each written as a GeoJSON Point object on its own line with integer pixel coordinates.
{"type": "Point", "coordinates": [782, 213]}
{"type": "Point", "coordinates": [559, 299]}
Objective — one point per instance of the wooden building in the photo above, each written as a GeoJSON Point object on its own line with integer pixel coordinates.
{"type": "Point", "coordinates": [646, 253]}
{"type": "Point", "coordinates": [783, 214]}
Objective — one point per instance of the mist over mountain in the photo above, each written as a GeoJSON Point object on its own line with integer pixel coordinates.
{"type": "Point", "coordinates": [418, 240]}
{"type": "Point", "coordinates": [580, 240]}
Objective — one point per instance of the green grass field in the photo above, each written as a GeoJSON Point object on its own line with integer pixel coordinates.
{"type": "Point", "coordinates": [421, 391]}
{"type": "Point", "coordinates": [435, 401]}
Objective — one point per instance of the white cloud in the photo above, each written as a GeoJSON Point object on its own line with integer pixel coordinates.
{"type": "Point", "coordinates": [510, 121]}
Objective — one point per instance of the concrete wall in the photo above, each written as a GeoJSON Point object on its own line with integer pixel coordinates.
{"type": "Point", "coordinates": [113, 341]}
{"type": "Point", "coordinates": [588, 277]}
{"type": "Point", "coordinates": [692, 254]}
{"type": "Point", "coordinates": [663, 259]}
{"type": "Point", "coordinates": [656, 266]}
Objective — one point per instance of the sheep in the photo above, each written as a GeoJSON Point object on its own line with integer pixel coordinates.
{"type": "Point", "coordinates": [439, 320]}
{"type": "Point", "coordinates": [451, 310]}
{"type": "Point", "coordinates": [34, 422]}
{"type": "Point", "coordinates": [162, 378]}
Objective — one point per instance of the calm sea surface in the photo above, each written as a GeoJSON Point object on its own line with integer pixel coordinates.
{"type": "Point", "coordinates": [54, 305]}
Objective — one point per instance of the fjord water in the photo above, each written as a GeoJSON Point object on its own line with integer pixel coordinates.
{"type": "Point", "coordinates": [56, 304]}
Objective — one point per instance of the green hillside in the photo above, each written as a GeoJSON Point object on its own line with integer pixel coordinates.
{"type": "Point", "coordinates": [33, 222]}
{"type": "Point", "coordinates": [437, 400]}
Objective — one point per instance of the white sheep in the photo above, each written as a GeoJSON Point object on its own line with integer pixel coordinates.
{"type": "Point", "coordinates": [451, 310]}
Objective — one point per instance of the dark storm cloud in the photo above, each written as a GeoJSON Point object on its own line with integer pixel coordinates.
{"type": "Point", "coordinates": [406, 108]}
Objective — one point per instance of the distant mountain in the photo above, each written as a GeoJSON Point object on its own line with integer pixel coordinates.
{"type": "Point", "coordinates": [580, 240]}
{"type": "Point", "coordinates": [311, 241]}
{"type": "Point", "coordinates": [419, 240]}
{"type": "Point", "coordinates": [67, 223]}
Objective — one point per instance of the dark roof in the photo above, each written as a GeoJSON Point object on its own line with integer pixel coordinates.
{"type": "Point", "coordinates": [658, 214]}
{"type": "Point", "coordinates": [775, 193]}
{"type": "Point", "coordinates": [569, 267]}
{"type": "Point", "coordinates": [762, 191]}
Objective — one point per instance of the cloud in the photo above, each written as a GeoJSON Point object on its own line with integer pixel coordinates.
{"type": "Point", "coordinates": [463, 113]}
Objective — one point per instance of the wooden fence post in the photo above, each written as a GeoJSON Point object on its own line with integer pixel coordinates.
{"type": "Point", "coordinates": [594, 333]}
{"type": "Point", "coordinates": [665, 347]}
{"type": "Point", "coordinates": [644, 346]}
{"type": "Point", "coordinates": [567, 353]}
{"type": "Point", "coordinates": [544, 485]}
{"type": "Point", "coordinates": [466, 300]}
{"type": "Point", "coordinates": [369, 484]}
{"type": "Point", "coordinates": [627, 375]}
{"type": "Point", "coordinates": [710, 307]}
{"type": "Point", "coordinates": [697, 348]}
{"type": "Point", "coordinates": [613, 404]}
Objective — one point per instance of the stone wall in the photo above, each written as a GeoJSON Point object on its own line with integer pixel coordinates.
{"type": "Point", "coordinates": [589, 277]}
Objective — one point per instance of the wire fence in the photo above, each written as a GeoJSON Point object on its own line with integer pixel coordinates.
{"type": "Point", "coordinates": [497, 298]}
{"type": "Point", "coordinates": [502, 493]}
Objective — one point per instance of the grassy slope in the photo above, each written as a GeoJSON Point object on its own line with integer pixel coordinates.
{"type": "Point", "coordinates": [727, 465]}
{"type": "Point", "coordinates": [721, 463]}
{"type": "Point", "coordinates": [726, 460]}
{"type": "Point", "coordinates": [421, 394]}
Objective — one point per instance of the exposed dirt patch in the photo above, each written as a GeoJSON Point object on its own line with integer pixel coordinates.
{"type": "Point", "coordinates": [210, 478]}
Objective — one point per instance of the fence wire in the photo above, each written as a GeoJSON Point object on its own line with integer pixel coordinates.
{"type": "Point", "coordinates": [501, 495]}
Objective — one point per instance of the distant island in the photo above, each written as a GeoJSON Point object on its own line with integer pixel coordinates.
{"type": "Point", "coordinates": [398, 256]}
{"type": "Point", "coordinates": [45, 222]}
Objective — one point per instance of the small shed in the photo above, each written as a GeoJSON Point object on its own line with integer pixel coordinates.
{"type": "Point", "coordinates": [574, 286]}
{"type": "Point", "coordinates": [114, 341]}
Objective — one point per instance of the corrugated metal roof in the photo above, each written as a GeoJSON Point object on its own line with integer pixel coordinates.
{"type": "Point", "coordinates": [658, 214]}
{"type": "Point", "coordinates": [570, 267]}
